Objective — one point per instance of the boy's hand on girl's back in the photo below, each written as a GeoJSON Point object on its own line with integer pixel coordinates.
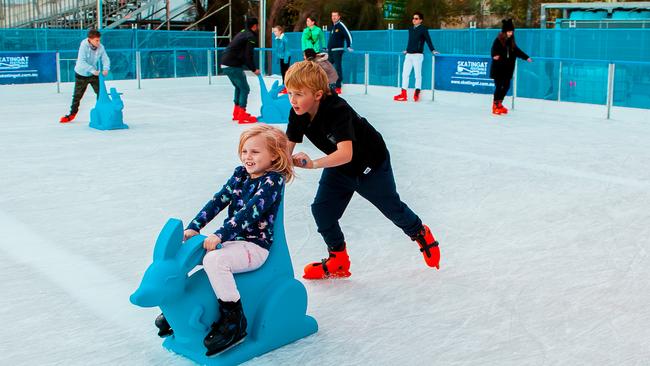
{"type": "Point", "coordinates": [302, 160]}
{"type": "Point", "coordinates": [105, 72]}
{"type": "Point", "coordinates": [212, 242]}
{"type": "Point", "coordinates": [96, 73]}
{"type": "Point", "coordinates": [189, 233]}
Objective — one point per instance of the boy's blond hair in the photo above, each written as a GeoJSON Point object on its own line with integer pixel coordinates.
{"type": "Point", "coordinates": [276, 142]}
{"type": "Point", "coordinates": [307, 75]}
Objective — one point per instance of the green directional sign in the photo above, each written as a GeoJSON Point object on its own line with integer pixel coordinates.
{"type": "Point", "coordinates": [394, 10]}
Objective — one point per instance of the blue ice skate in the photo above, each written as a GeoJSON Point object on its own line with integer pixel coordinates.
{"type": "Point", "coordinates": [107, 114]}
{"type": "Point", "coordinates": [275, 108]}
{"type": "Point", "coordinates": [274, 302]}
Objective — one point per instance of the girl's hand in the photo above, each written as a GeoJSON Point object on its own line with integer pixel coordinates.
{"type": "Point", "coordinates": [530, 59]}
{"type": "Point", "coordinates": [212, 242]}
{"type": "Point", "coordinates": [302, 160]}
{"type": "Point", "coordinates": [189, 233]}
{"type": "Point", "coordinates": [495, 57]}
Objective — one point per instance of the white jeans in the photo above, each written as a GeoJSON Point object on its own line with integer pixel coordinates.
{"type": "Point", "coordinates": [234, 257]}
{"type": "Point", "coordinates": [412, 61]}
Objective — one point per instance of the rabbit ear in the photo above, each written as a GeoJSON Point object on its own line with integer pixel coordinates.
{"type": "Point", "coordinates": [169, 240]}
{"type": "Point", "coordinates": [191, 253]}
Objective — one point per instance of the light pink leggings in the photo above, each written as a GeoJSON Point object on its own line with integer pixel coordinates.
{"type": "Point", "coordinates": [234, 257]}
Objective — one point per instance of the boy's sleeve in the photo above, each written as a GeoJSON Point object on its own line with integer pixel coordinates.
{"type": "Point", "coordinates": [294, 132]}
{"type": "Point", "coordinates": [342, 126]}
{"type": "Point", "coordinates": [269, 192]}
{"type": "Point", "coordinates": [219, 201]}
{"type": "Point", "coordinates": [82, 60]}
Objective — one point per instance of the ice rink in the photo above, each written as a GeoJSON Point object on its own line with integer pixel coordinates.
{"type": "Point", "coordinates": [543, 219]}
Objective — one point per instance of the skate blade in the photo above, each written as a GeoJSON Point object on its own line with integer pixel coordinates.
{"type": "Point", "coordinates": [225, 349]}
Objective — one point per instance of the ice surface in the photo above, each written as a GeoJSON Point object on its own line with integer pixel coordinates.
{"type": "Point", "coordinates": [543, 217]}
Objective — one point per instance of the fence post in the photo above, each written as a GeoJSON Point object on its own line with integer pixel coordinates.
{"type": "Point", "coordinates": [58, 72]}
{"type": "Point", "coordinates": [433, 77]}
{"type": "Point", "coordinates": [366, 76]}
{"type": "Point", "coordinates": [209, 59]}
{"type": "Point", "coordinates": [138, 67]}
{"type": "Point", "coordinates": [174, 64]}
{"type": "Point", "coordinates": [610, 87]}
{"type": "Point", "coordinates": [514, 88]}
{"type": "Point", "coordinates": [559, 84]}
{"type": "Point", "coordinates": [216, 45]}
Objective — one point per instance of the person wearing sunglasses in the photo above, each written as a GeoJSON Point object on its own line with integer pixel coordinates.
{"type": "Point", "coordinates": [418, 35]}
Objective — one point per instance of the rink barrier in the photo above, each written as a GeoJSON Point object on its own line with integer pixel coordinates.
{"type": "Point", "coordinates": [562, 87]}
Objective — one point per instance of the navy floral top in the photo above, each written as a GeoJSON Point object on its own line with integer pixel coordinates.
{"type": "Point", "coordinates": [252, 208]}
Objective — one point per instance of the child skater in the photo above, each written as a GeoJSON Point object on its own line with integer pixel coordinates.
{"type": "Point", "coordinates": [356, 160]}
{"type": "Point", "coordinates": [252, 195]}
{"type": "Point", "coordinates": [322, 60]}
{"type": "Point", "coordinates": [86, 70]}
{"type": "Point", "coordinates": [504, 55]}
{"type": "Point", "coordinates": [282, 52]}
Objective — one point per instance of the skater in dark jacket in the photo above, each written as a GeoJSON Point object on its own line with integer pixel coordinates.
{"type": "Point", "coordinates": [238, 54]}
{"type": "Point", "coordinates": [504, 56]}
{"type": "Point", "coordinates": [339, 37]}
{"type": "Point", "coordinates": [414, 56]}
{"type": "Point", "coordinates": [356, 160]}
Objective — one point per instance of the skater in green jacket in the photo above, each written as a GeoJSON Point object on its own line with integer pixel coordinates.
{"type": "Point", "coordinates": [313, 36]}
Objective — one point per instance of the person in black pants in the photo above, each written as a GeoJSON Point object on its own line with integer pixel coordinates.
{"type": "Point", "coordinates": [87, 69]}
{"type": "Point", "coordinates": [282, 52]}
{"type": "Point", "coordinates": [356, 160]}
{"type": "Point", "coordinates": [504, 55]}
{"type": "Point", "coordinates": [339, 37]}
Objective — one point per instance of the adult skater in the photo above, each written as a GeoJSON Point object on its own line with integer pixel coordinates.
{"type": "Point", "coordinates": [238, 54]}
{"type": "Point", "coordinates": [340, 38]}
{"type": "Point", "coordinates": [86, 70]}
{"type": "Point", "coordinates": [418, 35]}
{"type": "Point", "coordinates": [504, 55]}
{"type": "Point", "coordinates": [312, 36]}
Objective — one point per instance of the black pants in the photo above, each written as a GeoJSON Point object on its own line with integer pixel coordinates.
{"type": "Point", "coordinates": [501, 87]}
{"type": "Point", "coordinates": [80, 86]}
{"type": "Point", "coordinates": [336, 58]}
{"type": "Point", "coordinates": [284, 67]}
{"type": "Point", "coordinates": [335, 190]}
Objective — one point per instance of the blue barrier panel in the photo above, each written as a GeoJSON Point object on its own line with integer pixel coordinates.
{"type": "Point", "coordinates": [27, 67]}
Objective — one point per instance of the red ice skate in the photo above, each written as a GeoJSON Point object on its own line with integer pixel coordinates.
{"type": "Point", "coordinates": [402, 97]}
{"type": "Point", "coordinates": [428, 247]}
{"type": "Point", "coordinates": [336, 266]}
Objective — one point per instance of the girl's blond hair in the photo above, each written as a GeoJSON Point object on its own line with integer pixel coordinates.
{"type": "Point", "coordinates": [307, 75]}
{"type": "Point", "coordinates": [276, 142]}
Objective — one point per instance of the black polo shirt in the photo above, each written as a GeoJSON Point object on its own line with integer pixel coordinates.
{"type": "Point", "coordinates": [335, 122]}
